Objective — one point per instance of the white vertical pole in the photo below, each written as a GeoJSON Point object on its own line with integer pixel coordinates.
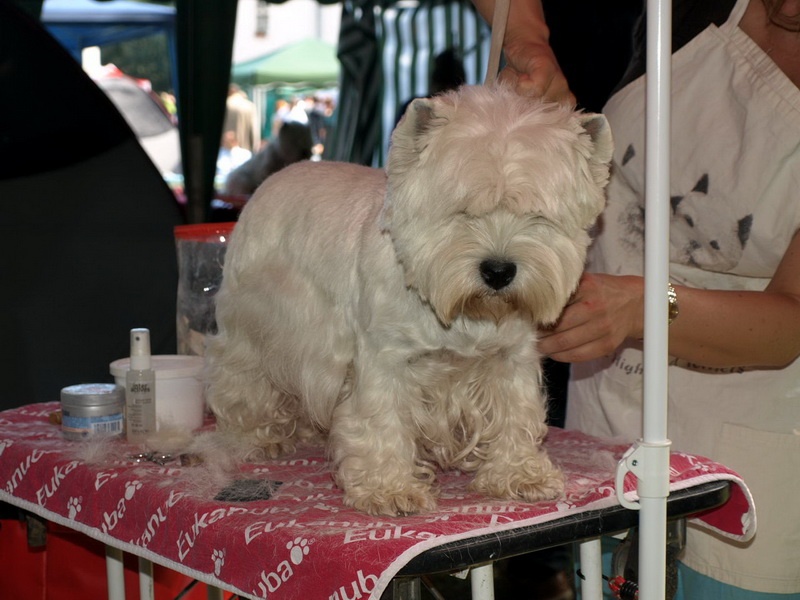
{"type": "Point", "coordinates": [115, 574]}
{"type": "Point", "coordinates": [654, 486]}
{"type": "Point", "coordinates": [591, 570]}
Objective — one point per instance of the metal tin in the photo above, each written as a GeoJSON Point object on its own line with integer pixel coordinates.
{"type": "Point", "coordinates": [91, 410]}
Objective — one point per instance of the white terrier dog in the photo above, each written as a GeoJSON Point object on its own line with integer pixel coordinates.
{"type": "Point", "coordinates": [397, 312]}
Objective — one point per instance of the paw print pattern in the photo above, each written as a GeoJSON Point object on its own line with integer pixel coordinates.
{"type": "Point", "coordinates": [437, 518]}
{"type": "Point", "coordinates": [5, 444]}
{"type": "Point", "coordinates": [565, 506]}
{"type": "Point", "coordinates": [298, 548]}
{"type": "Point", "coordinates": [131, 487]}
{"type": "Point", "coordinates": [218, 556]}
{"type": "Point", "coordinates": [74, 506]}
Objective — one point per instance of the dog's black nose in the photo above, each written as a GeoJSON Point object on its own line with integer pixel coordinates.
{"type": "Point", "coordinates": [497, 273]}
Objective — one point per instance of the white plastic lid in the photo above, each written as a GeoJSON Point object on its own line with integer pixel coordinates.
{"type": "Point", "coordinates": [166, 366]}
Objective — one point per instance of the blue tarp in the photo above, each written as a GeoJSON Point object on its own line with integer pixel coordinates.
{"type": "Point", "coordinates": [79, 24]}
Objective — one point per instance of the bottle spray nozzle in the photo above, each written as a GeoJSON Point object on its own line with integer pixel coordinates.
{"type": "Point", "coordinates": [140, 349]}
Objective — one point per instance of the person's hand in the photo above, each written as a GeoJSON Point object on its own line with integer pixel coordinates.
{"type": "Point", "coordinates": [531, 65]}
{"type": "Point", "coordinates": [532, 70]}
{"type": "Point", "coordinates": [605, 310]}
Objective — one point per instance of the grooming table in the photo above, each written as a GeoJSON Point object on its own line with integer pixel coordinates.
{"type": "Point", "coordinates": [299, 540]}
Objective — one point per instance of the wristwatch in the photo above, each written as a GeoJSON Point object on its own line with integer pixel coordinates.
{"type": "Point", "coordinates": [672, 298]}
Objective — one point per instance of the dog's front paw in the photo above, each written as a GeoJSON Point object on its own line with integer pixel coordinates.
{"type": "Point", "coordinates": [528, 484]}
{"type": "Point", "coordinates": [412, 499]}
{"type": "Point", "coordinates": [547, 486]}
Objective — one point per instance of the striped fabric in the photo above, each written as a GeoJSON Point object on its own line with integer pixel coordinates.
{"type": "Point", "coordinates": [386, 52]}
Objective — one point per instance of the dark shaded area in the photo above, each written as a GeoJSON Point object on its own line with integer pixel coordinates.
{"type": "Point", "coordinates": [52, 115]}
{"type": "Point", "coordinates": [86, 240]}
{"type": "Point", "coordinates": [593, 44]}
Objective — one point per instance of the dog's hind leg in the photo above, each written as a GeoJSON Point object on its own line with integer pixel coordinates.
{"type": "Point", "coordinates": [246, 402]}
{"type": "Point", "coordinates": [280, 359]}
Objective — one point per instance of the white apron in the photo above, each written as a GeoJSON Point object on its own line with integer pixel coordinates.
{"type": "Point", "coordinates": [735, 187]}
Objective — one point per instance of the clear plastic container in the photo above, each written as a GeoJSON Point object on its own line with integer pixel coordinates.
{"type": "Point", "coordinates": [201, 254]}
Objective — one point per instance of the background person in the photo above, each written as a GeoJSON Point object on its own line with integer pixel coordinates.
{"type": "Point", "coordinates": [241, 117]}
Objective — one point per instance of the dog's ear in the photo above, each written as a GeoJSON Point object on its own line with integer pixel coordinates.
{"type": "Point", "coordinates": [422, 115]}
{"type": "Point", "coordinates": [596, 126]}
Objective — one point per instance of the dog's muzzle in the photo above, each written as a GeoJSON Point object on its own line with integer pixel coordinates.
{"type": "Point", "coordinates": [497, 274]}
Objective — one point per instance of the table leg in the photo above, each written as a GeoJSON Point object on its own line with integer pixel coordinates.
{"type": "Point", "coordinates": [213, 593]}
{"type": "Point", "coordinates": [482, 580]}
{"type": "Point", "coordinates": [403, 588]}
{"type": "Point", "coordinates": [146, 591]}
{"type": "Point", "coordinates": [115, 574]}
{"type": "Point", "coordinates": [591, 570]}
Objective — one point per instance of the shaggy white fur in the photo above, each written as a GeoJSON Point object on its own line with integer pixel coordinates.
{"type": "Point", "coordinates": [396, 312]}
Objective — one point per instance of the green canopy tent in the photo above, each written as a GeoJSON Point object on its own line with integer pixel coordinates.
{"type": "Point", "coordinates": [309, 61]}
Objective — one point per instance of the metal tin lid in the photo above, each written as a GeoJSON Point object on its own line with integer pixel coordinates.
{"type": "Point", "coordinates": [93, 394]}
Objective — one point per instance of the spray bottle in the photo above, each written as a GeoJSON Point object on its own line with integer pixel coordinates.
{"type": "Point", "coordinates": [140, 389]}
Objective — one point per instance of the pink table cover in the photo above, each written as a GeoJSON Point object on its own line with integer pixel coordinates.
{"type": "Point", "coordinates": [302, 542]}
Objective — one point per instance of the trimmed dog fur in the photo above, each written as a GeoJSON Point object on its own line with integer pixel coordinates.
{"type": "Point", "coordinates": [396, 312]}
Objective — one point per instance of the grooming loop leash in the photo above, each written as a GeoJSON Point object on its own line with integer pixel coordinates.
{"type": "Point", "coordinates": [499, 21]}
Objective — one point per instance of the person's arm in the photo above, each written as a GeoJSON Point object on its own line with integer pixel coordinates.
{"type": "Point", "coordinates": [531, 66]}
{"type": "Point", "coordinates": [715, 328]}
